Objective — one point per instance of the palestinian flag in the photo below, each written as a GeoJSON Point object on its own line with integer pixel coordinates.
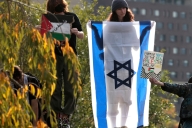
{"type": "Point", "coordinates": [151, 69]}
{"type": "Point", "coordinates": [58, 26]}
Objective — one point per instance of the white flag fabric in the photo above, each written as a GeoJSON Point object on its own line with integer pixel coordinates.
{"type": "Point", "coordinates": [120, 97]}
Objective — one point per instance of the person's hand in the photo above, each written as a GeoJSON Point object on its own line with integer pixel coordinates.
{"type": "Point", "coordinates": [38, 27]}
{"type": "Point", "coordinates": [78, 33]}
{"type": "Point", "coordinates": [62, 43]}
{"type": "Point", "coordinates": [89, 23]}
{"type": "Point", "coordinates": [74, 31]}
{"type": "Point", "coordinates": [154, 81]}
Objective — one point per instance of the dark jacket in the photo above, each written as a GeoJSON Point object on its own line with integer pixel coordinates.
{"type": "Point", "coordinates": [185, 91]}
{"type": "Point", "coordinates": [32, 80]}
{"type": "Point", "coordinates": [36, 84]}
{"type": "Point", "coordinates": [72, 40]}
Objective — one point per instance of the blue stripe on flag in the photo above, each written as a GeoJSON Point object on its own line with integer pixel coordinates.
{"type": "Point", "coordinates": [99, 76]}
{"type": "Point", "coordinates": [145, 27]}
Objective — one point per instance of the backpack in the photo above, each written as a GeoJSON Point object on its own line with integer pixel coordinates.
{"type": "Point", "coordinates": [38, 81]}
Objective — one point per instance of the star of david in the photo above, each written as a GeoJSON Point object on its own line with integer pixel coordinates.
{"type": "Point", "coordinates": [118, 81]}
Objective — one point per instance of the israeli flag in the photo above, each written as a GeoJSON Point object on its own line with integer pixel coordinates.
{"type": "Point", "coordinates": [120, 97]}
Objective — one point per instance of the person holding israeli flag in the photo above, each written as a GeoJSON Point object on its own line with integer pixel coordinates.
{"type": "Point", "coordinates": [120, 12]}
{"type": "Point", "coordinates": [120, 97]}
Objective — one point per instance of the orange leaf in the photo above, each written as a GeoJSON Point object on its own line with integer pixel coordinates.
{"type": "Point", "coordinates": [41, 124]}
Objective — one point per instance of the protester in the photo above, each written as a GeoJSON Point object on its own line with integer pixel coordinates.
{"type": "Point", "coordinates": [26, 80]}
{"type": "Point", "coordinates": [60, 7]}
{"type": "Point", "coordinates": [120, 12]}
{"type": "Point", "coordinates": [182, 90]}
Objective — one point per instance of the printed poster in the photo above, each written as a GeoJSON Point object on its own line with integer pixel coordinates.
{"type": "Point", "coordinates": [152, 65]}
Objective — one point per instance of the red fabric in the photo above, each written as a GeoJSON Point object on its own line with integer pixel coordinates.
{"type": "Point", "coordinates": [45, 25]}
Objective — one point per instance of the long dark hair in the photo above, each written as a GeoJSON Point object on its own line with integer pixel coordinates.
{"type": "Point", "coordinates": [51, 4]}
{"type": "Point", "coordinates": [129, 16]}
{"type": "Point", "coordinates": [17, 74]}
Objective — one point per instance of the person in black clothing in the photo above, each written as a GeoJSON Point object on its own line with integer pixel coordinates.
{"type": "Point", "coordinates": [26, 80]}
{"type": "Point", "coordinates": [182, 90]}
{"type": "Point", "coordinates": [64, 109]}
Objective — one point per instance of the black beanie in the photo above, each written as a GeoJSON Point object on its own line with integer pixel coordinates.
{"type": "Point", "coordinates": [116, 4]}
{"type": "Point", "coordinates": [190, 80]}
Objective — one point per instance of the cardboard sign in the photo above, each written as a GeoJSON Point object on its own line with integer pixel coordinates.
{"type": "Point", "coordinates": [152, 65]}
